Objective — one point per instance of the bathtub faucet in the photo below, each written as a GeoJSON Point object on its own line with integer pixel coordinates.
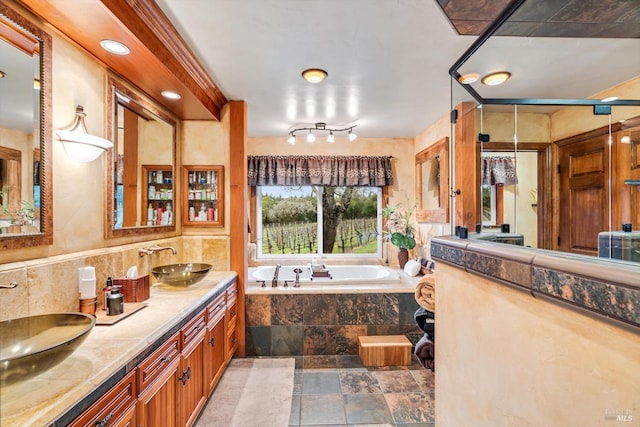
{"type": "Point", "coordinates": [274, 281]}
{"type": "Point", "coordinates": [297, 282]}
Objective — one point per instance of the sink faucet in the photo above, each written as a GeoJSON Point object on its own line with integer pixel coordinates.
{"type": "Point", "coordinates": [155, 248]}
{"type": "Point", "coordinates": [274, 281]}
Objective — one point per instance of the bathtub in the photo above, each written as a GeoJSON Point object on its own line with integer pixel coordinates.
{"type": "Point", "coordinates": [341, 276]}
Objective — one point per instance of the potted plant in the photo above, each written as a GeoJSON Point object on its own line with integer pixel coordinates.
{"type": "Point", "coordinates": [400, 232]}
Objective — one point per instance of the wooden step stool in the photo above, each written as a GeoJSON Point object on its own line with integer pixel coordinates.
{"type": "Point", "coordinates": [385, 350]}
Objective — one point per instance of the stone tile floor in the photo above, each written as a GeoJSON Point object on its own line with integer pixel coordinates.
{"type": "Point", "coordinates": [339, 391]}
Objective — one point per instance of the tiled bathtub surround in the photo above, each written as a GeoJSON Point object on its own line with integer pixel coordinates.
{"type": "Point", "coordinates": [298, 324]}
{"type": "Point", "coordinates": [49, 285]}
{"type": "Point", "coordinates": [608, 289]}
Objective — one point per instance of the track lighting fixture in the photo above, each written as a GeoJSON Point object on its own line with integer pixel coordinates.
{"type": "Point", "coordinates": [320, 127]}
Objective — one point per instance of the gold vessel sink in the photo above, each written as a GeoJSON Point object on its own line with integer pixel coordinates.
{"type": "Point", "coordinates": [181, 274]}
{"type": "Point", "coordinates": [31, 345]}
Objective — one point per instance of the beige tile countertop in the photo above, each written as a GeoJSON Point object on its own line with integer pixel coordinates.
{"type": "Point", "coordinates": [108, 353]}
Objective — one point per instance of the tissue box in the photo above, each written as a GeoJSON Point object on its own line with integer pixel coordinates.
{"type": "Point", "coordinates": [134, 290]}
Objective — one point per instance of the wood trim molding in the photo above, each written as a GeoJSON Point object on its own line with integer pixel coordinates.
{"type": "Point", "coordinates": [149, 24]}
{"type": "Point", "coordinates": [159, 59]}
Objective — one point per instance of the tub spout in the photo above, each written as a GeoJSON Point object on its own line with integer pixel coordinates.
{"type": "Point", "coordinates": [274, 281]}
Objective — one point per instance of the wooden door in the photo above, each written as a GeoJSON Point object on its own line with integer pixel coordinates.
{"type": "Point", "coordinates": [583, 202]}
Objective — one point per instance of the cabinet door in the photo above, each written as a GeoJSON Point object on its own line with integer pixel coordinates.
{"type": "Point", "coordinates": [215, 345]}
{"type": "Point", "coordinates": [191, 387]}
{"type": "Point", "coordinates": [157, 405]}
{"type": "Point", "coordinates": [113, 408]}
{"type": "Point", "coordinates": [203, 200]}
{"type": "Point", "coordinates": [231, 330]}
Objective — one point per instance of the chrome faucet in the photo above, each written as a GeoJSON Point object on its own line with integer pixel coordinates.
{"type": "Point", "coordinates": [274, 281]}
{"type": "Point", "coordinates": [155, 248]}
{"type": "Point", "coordinates": [297, 282]}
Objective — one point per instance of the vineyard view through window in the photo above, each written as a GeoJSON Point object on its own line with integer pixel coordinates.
{"type": "Point", "coordinates": [314, 220]}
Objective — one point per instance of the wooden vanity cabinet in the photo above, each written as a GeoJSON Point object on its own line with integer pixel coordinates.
{"type": "Point", "coordinates": [231, 321]}
{"type": "Point", "coordinates": [116, 408]}
{"type": "Point", "coordinates": [215, 356]}
{"type": "Point", "coordinates": [191, 394]}
{"type": "Point", "coordinates": [158, 379]}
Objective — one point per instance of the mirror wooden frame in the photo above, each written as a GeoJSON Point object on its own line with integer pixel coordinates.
{"type": "Point", "coordinates": [439, 150]}
{"type": "Point", "coordinates": [45, 236]}
{"type": "Point", "coordinates": [112, 85]}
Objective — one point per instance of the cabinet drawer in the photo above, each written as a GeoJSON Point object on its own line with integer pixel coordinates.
{"type": "Point", "coordinates": [194, 329]}
{"type": "Point", "coordinates": [155, 364]}
{"type": "Point", "coordinates": [232, 340]}
{"type": "Point", "coordinates": [216, 310]}
{"type": "Point", "coordinates": [232, 313]}
{"type": "Point", "coordinates": [232, 293]}
{"type": "Point", "coordinates": [112, 406]}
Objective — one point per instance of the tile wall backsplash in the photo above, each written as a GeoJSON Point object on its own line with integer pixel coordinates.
{"type": "Point", "coordinates": [325, 324]}
{"type": "Point", "coordinates": [49, 285]}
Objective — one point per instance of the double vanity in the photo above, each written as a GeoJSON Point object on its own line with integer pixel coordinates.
{"type": "Point", "coordinates": [172, 351]}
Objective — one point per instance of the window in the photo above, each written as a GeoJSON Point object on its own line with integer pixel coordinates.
{"type": "Point", "coordinates": [288, 221]}
{"type": "Point", "coordinates": [491, 205]}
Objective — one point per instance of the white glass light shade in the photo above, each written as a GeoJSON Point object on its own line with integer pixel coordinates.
{"type": "Point", "coordinates": [83, 147]}
{"type": "Point", "coordinates": [330, 137]}
{"type": "Point", "coordinates": [311, 137]}
{"type": "Point", "coordinates": [292, 139]}
{"type": "Point", "coordinates": [79, 144]}
{"type": "Point", "coordinates": [352, 136]}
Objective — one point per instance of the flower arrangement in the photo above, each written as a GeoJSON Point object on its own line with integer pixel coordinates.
{"type": "Point", "coordinates": [400, 232]}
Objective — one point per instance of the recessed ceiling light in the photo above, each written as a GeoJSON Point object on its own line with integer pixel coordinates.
{"type": "Point", "coordinates": [171, 95]}
{"type": "Point", "coordinates": [314, 75]}
{"type": "Point", "coordinates": [609, 99]}
{"type": "Point", "coordinates": [2, 74]}
{"type": "Point", "coordinates": [468, 78]}
{"type": "Point", "coordinates": [36, 84]}
{"type": "Point", "coordinates": [114, 47]}
{"type": "Point", "coordinates": [497, 78]}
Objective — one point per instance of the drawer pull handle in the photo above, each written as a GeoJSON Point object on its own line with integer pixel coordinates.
{"type": "Point", "coordinates": [166, 359]}
{"type": "Point", "coordinates": [104, 421]}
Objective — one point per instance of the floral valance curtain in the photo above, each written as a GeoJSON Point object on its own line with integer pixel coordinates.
{"type": "Point", "coordinates": [372, 171]}
{"type": "Point", "coordinates": [498, 170]}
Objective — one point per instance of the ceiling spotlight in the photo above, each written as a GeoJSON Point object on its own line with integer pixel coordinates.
{"type": "Point", "coordinates": [2, 74]}
{"type": "Point", "coordinates": [292, 139]}
{"type": "Point", "coordinates": [310, 137]}
{"type": "Point", "coordinates": [330, 137]}
{"type": "Point", "coordinates": [170, 95]}
{"type": "Point", "coordinates": [114, 47]}
{"type": "Point", "coordinates": [352, 136]}
{"type": "Point", "coordinates": [469, 78]}
{"type": "Point", "coordinates": [314, 75]}
{"type": "Point", "coordinates": [497, 78]}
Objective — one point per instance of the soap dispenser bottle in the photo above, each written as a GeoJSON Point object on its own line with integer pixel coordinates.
{"type": "Point", "coordinates": [115, 302]}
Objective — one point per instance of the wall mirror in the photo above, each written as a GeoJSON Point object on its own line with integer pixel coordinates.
{"type": "Point", "coordinates": [26, 216]}
{"type": "Point", "coordinates": [141, 186]}
{"type": "Point", "coordinates": [432, 182]}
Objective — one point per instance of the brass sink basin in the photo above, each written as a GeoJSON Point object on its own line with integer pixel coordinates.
{"type": "Point", "coordinates": [31, 345]}
{"type": "Point", "coordinates": [181, 274]}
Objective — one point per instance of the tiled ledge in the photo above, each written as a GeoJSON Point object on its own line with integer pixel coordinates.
{"type": "Point", "coordinates": [603, 288]}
